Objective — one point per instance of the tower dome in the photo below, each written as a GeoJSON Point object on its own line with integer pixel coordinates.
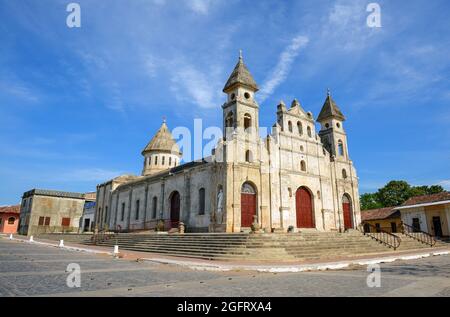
{"type": "Point", "coordinates": [161, 153]}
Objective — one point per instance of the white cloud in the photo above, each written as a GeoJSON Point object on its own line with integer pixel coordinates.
{"type": "Point", "coordinates": [194, 86]}
{"type": "Point", "coordinates": [159, 2]}
{"type": "Point", "coordinates": [18, 89]}
{"type": "Point", "coordinates": [197, 6]}
{"type": "Point", "coordinates": [200, 6]}
{"type": "Point", "coordinates": [150, 65]}
{"type": "Point", "coordinates": [281, 70]}
{"type": "Point", "coordinates": [445, 183]}
{"type": "Point", "coordinates": [345, 26]}
{"type": "Point", "coordinates": [88, 175]}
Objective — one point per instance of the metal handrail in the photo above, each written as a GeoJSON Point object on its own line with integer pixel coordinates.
{"type": "Point", "coordinates": [384, 237]}
{"type": "Point", "coordinates": [102, 236]}
{"type": "Point", "coordinates": [421, 236]}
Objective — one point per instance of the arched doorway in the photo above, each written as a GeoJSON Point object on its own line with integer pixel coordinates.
{"type": "Point", "coordinates": [347, 209]}
{"type": "Point", "coordinates": [174, 209]}
{"type": "Point", "coordinates": [304, 208]}
{"type": "Point", "coordinates": [248, 205]}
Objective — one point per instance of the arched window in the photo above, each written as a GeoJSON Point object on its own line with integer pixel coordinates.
{"type": "Point", "coordinates": [248, 157]}
{"type": "Point", "coordinates": [247, 121]}
{"type": "Point", "coordinates": [201, 201]}
{"type": "Point", "coordinates": [290, 126]}
{"type": "Point", "coordinates": [11, 220]}
{"type": "Point", "coordinates": [229, 120]}
{"type": "Point", "coordinates": [156, 160]}
{"type": "Point", "coordinates": [340, 148]}
{"type": "Point", "coordinates": [154, 207]}
{"type": "Point", "coordinates": [137, 209]}
{"type": "Point", "coordinates": [303, 166]}
{"type": "Point", "coordinates": [248, 189]}
{"type": "Point", "coordinates": [309, 131]}
{"type": "Point", "coordinates": [344, 173]}
{"type": "Point", "coordinates": [122, 215]}
{"type": "Point", "coordinates": [170, 161]}
{"type": "Point", "coordinates": [299, 128]}
{"type": "Point", "coordinates": [105, 218]}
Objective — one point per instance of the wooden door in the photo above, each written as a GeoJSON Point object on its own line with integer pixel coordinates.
{"type": "Point", "coordinates": [248, 209]}
{"type": "Point", "coordinates": [437, 226]}
{"type": "Point", "coordinates": [304, 208]}
{"type": "Point", "coordinates": [175, 209]}
{"type": "Point", "coordinates": [347, 208]}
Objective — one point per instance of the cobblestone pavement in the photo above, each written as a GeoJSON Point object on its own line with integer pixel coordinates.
{"type": "Point", "coordinates": [36, 270]}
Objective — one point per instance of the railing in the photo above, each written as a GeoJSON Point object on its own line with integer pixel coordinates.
{"type": "Point", "coordinates": [156, 224]}
{"type": "Point", "coordinates": [102, 236]}
{"type": "Point", "coordinates": [52, 229]}
{"type": "Point", "coordinates": [418, 235]}
{"type": "Point", "coordinates": [384, 237]}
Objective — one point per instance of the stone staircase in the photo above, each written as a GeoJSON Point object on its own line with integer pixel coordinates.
{"type": "Point", "coordinates": [306, 245]}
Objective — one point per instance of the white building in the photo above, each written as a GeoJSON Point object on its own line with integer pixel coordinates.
{"type": "Point", "coordinates": [295, 177]}
{"type": "Point", "coordinates": [430, 213]}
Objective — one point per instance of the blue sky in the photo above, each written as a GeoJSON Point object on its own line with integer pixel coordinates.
{"type": "Point", "coordinates": [77, 106]}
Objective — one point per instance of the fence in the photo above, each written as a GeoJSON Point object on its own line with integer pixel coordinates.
{"type": "Point", "coordinates": [156, 224]}
{"type": "Point", "coordinates": [52, 229]}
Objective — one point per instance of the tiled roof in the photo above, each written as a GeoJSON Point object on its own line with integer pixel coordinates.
{"type": "Point", "coordinates": [10, 209]}
{"type": "Point", "coordinates": [427, 199]}
{"type": "Point", "coordinates": [163, 142]}
{"type": "Point", "coordinates": [54, 193]}
{"type": "Point", "coordinates": [241, 75]}
{"type": "Point", "coordinates": [330, 110]}
{"type": "Point", "coordinates": [378, 214]}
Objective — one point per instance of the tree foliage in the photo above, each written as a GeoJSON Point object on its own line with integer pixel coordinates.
{"type": "Point", "coordinates": [396, 193]}
{"type": "Point", "coordinates": [369, 201]}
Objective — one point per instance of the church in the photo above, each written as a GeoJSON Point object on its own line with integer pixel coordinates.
{"type": "Point", "coordinates": [292, 180]}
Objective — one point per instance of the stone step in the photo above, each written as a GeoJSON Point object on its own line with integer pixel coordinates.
{"type": "Point", "coordinates": [260, 247]}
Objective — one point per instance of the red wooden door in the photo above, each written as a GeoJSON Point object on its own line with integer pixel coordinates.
{"type": "Point", "coordinates": [348, 223]}
{"type": "Point", "coordinates": [248, 209]}
{"type": "Point", "coordinates": [304, 208]}
{"type": "Point", "coordinates": [175, 210]}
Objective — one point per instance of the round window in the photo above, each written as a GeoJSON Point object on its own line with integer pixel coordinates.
{"type": "Point", "coordinates": [338, 125]}
{"type": "Point", "coordinates": [327, 125]}
{"type": "Point", "coordinates": [247, 95]}
{"type": "Point", "coordinates": [233, 96]}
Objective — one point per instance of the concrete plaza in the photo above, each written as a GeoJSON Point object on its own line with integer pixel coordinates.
{"type": "Point", "coordinates": [38, 270]}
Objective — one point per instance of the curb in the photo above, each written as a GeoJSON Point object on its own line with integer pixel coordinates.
{"type": "Point", "coordinates": [68, 248]}
{"type": "Point", "coordinates": [324, 266]}
{"type": "Point", "coordinates": [295, 268]}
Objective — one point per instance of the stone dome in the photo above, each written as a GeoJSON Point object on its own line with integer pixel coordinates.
{"type": "Point", "coordinates": [162, 142]}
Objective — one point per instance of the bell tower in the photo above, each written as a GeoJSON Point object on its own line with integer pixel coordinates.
{"type": "Point", "coordinates": [241, 111]}
{"type": "Point", "coordinates": [332, 133]}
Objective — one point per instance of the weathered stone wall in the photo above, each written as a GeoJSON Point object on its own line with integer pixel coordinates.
{"type": "Point", "coordinates": [56, 208]}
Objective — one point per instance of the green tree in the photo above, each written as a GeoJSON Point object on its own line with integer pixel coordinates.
{"type": "Point", "coordinates": [370, 201]}
{"type": "Point", "coordinates": [394, 193]}
{"type": "Point", "coordinates": [425, 190]}
{"type": "Point", "coordinates": [435, 189]}
{"type": "Point", "coordinates": [418, 191]}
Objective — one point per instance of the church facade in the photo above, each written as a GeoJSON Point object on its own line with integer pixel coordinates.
{"type": "Point", "coordinates": [294, 179]}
